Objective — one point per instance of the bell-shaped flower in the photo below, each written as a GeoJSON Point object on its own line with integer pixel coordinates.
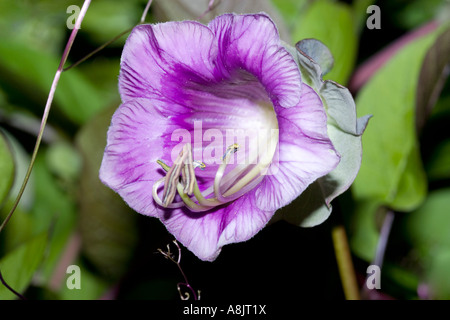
{"type": "Point", "coordinates": [216, 130]}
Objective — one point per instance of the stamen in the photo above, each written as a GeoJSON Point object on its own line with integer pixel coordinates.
{"type": "Point", "coordinates": [259, 169]}
{"type": "Point", "coordinates": [188, 171]}
{"type": "Point", "coordinates": [235, 187]}
{"type": "Point", "coordinates": [194, 207]}
{"type": "Point", "coordinates": [230, 150]}
{"type": "Point", "coordinates": [189, 178]}
{"type": "Point", "coordinates": [173, 176]}
{"type": "Point", "coordinates": [219, 175]}
{"type": "Point", "coordinates": [159, 201]}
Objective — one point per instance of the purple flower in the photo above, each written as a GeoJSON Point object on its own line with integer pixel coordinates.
{"type": "Point", "coordinates": [203, 85]}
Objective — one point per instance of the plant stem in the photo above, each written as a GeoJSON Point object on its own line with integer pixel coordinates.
{"type": "Point", "coordinates": [2, 280]}
{"type": "Point", "coordinates": [47, 110]}
{"type": "Point", "coordinates": [345, 264]}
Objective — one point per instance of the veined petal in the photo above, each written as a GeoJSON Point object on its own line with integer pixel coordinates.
{"type": "Point", "coordinates": [305, 152]}
{"type": "Point", "coordinates": [251, 42]}
{"type": "Point", "coordinates": [134, 144]}
{"type": "Point", "coordinates": [205, 234]}
{"type": "Point", "coordinates": [153, 51]}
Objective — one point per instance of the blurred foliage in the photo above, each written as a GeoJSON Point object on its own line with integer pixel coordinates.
{"type": "Point", "coordinates": [6, 168]}
{"type": "Point", "coordinates": [67, 216]}
{"type": "Point", "coordinates": [390, 96]}
{"type": "Point", "coordinates": [318, 19]}
{"type": "Point", "coordinates": [107, 224]}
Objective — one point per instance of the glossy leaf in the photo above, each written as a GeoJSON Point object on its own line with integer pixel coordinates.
{"type": "Point", "coordinates": [32, 72]}
{"type": "Point", "coordinates": [6, 168]}
{"type": "Point", "coordinates": [37, 23]}
{"type": "Point", "coordinates": [364, 233]}
{"type": "Point", "coordinates": [391, 142]}
{"type": "Point", "coordinates": [391, 172]}
{"type": "Point", "coordinates": [19, 265]}
{"type": "Point", "coordinates": [417, 12]}
{"type": "Point", "coordinates": [428, 226]}
{"type": "Point", "coordinates": [332, 23]}
{"type": "Point", "coordinates": [344, 129]}
{"type": "Point", "coordinates": [54, 208]}
{"type": "Point", "coordinates": [427, 229]}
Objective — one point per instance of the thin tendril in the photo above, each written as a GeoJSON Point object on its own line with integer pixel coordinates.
{"type": "Point", "coordinates": [47, 109]}
{"type": "Point", "coordinates": [44, 121]}
{"type": "Point", "coordinates": [103, 46]}
{"type": "Point", "coordinates": [21, 297]}
{"type": "Point", "coordinates": [144, 14]}
{"type": "Point", "coordinates": [211, 6]}
{"type": "Point", "coordinates": [170, 256]}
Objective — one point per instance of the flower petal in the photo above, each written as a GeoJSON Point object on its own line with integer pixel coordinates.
{"type": "Point", "coordinates": [305, 153]}
{"type": "Point", "coordinates": [134, 143]}
{"type": "Point", "coordinates": [241, 46]}
{"type": "Point", "coordinates": [152, 51]}
{"type": "Point", "coordinates": [206, 233]}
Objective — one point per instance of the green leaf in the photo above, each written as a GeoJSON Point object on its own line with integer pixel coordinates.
{"type": "Point", "coordinates": [29, 73]}
{"type": "Point", "coordinates": [64, 161]}
{"type": "Point", "coordinates": [390, 145]}
{"type": "Point", "coordinates": [391, 172]}
{"type": "Point", "coordinates": [412, 186]}
{"type": "Point", "coordinates": [41, 24]}
{"type": "Point", "coordinates": [332, 23]}
{"type": "Point", "coordinates": [433, 74]}
{"type": "Point", "coordinates": [22, 161]}
{"type": "Point", "coordinates": [6, 168]}
{"type": "Point", "coordinates": [107, 224]}
{"type": "Point", "coordinates": [54, 209]}
{"type": "Point", "coordinates": [344, 129]}
{"type": "Point", "coordinates": [437, 275]}
{"type": "Point", "coordinates": [417, 12]}
{"type": "Point", "coordinates": [427, 228]}
{"type": "Point", "coordinates": [92, 286]}
{"type": "Point", "coordinates": [290, 9]}
{"type": "Point", "coordinates": [408, 280]}
{"type": "Point", "coordinates": [106, 19]}
{"type": "Point", "coordinates": [364, 233]}
{"type": "Point", "coordinates": [19, 265]}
